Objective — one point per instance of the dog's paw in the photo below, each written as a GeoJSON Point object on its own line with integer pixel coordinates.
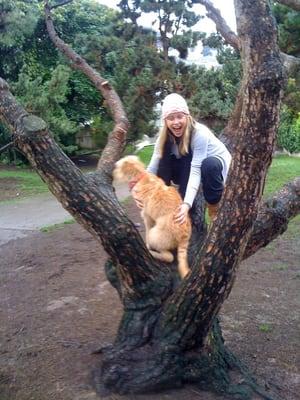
{"type": "Point", "coordinates": [165, 256]}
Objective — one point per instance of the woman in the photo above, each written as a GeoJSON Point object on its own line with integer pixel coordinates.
{"type": "Point", "coordinates": [187, 153]}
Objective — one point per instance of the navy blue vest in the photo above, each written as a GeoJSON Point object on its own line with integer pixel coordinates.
{"type": "Point", "coordinates": [175, 169]}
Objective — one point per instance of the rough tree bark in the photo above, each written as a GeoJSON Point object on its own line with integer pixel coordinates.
{"type": "Point", "coordinates": [169, 333]}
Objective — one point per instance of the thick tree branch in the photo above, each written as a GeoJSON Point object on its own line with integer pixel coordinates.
{"type": "Point", "coordinates": [274, 216]}
{"type": "Point", "coordinates": [93, 206]}
{"type": "Point", "coordinates": [214, 14]}
{"type": "Point", "coordinates": [116, 140]}
{"type": "Point", "coordinates": [291, 63]}
{"type": "Point", "coordinates": [294, 4]}
{"type": "Point", "coordinates": [189, 312]}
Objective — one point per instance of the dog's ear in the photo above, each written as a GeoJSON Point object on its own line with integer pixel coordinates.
{"type": "Point", "coordinates": [128, 167]}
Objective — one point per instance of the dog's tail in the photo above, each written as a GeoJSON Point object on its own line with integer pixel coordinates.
{"type": "Point", "coordinates": [182, 258]}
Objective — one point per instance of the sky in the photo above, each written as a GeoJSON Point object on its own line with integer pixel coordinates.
{"type": "Point", "coordinates": [226, 7]}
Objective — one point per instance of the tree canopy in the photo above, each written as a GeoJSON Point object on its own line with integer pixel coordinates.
{"type": "Point", "coordinates": [128, 55]}
{"type": "Point", "coordinates": [136, 60]}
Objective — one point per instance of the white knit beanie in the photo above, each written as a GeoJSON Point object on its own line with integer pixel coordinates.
{"type": "Point", "coordinates": [174, 103]}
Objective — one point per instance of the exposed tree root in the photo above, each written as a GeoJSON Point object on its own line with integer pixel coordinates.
{"type": "Point", "coordinates": [223, 364]}
{"type": "Point", "coordinates": [156, 366]}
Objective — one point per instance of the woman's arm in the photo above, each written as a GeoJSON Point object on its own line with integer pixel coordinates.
{"type": "Point", "coordinates": [199, 145]}
{"type": "Point", "coordinates": [154, 162]}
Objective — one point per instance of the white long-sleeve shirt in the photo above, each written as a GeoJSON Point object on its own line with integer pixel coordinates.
{"type": "Point", "coordinates": [203, 144]}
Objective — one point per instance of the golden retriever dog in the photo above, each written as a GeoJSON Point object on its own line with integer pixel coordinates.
{"type": "Point", "coordinates": [159, 206]}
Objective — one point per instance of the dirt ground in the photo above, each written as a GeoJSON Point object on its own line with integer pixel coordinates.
{"type": "Point", "coordinates": [9, 189]}
{"type": "Point", "coordinates": [57, 308]}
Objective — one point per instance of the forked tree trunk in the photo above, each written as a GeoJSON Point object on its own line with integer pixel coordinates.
{"type": "Point", "coordinates": [169, 334]}
{"type": "Point", "coordinates": [182, 345]}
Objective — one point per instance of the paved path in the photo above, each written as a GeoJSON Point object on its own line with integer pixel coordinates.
{"type": "Point", "coordinates": [26, 216]}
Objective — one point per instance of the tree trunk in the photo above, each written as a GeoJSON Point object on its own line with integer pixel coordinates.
{"type": "Point", "coordinates": [169, 333]}
{"type": "Point", "coordinates": [184, 344]}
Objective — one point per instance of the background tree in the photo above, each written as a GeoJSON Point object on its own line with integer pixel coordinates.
{"type": "Point", "coordinates": [17, 23]}
{"type": "Point", "coordinates": [40, 77]}
{"type": "Point", "coordinates": [169, 333]}
{"type": "Point", "coordinates": [18, 20]}
{"type": "Point", "coordinates": [211, 91]}
{"type": "Point", "coordinates": [221, 84]}
{"type": "Point", "coordinates": [288, 20]}
{"type": "Point", "coordinates": [174, 20]}
{"type": "Point", "coordinates": [33, 66]}
{"type": "Point", "coordinates": [127, 55]}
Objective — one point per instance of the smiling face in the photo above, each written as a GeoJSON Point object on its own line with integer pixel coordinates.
{"type": "Point", "coordinates": [177, 123]}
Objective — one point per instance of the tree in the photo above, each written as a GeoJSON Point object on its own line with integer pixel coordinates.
{"type": "Point", "coordinates": [174, 19]}
{"type": "Point", "coordinates": [40, 77]}
{"type": "Point", "coordinates": [169, 333]}
{"type": "Point", "coordinates": [211, 93]}
{"type": "Point", "coordinates": [288, 21]}
{"type": "Point", "coordinates": [18, 20]}
{"type": "Point", "coordinates": [31, 64]}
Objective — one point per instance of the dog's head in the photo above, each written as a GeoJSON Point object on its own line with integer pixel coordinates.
{"type": "Point", "coordinates": [127, 168]}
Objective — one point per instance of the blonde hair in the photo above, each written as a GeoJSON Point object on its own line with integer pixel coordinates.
{"type": "Point", "coordinates": [184, 139]}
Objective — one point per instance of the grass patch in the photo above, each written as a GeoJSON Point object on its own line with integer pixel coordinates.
{"type": "Point", "coordinates": [51, 228]}
{"type": "Point", "coordinates": [293, 232]}
{"type": "Point", "coordinates": [145, 154]}
{"type": "Point", "coordinates": [282, 170]}
{"type": "Point", "coordinates": [265, 328]}
{"type": "Point", "coordinates": [28, 182]}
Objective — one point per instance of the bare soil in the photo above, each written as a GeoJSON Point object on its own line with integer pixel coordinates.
{"type": "Point", "coordinates": [10, 188]}
{"type": "Point", "coordinates": [57, 308]}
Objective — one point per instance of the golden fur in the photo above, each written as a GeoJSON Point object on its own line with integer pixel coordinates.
{"type": "Point", "coordinates": [160, 205]}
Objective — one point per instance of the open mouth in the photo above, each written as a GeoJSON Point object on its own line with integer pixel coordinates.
{"type": "Point", "coordinates": [177, 130]}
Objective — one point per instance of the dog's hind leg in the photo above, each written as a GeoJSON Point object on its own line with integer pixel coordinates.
{"type": "Point", "coordinates": [149, 223]}
{"type": "Point", "coordinates": [182, 258]}
{"type": "Point", "coordinates": [159, 245]}
{"type": "Point", "coordinates": [164, 255]}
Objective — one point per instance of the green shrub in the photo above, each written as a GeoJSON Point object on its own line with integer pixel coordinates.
{"type": "Point", "coordinates": [289, 131]}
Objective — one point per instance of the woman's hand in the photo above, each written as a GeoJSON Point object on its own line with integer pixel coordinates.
{"type": "Point", "coordinates": [182, 214]}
